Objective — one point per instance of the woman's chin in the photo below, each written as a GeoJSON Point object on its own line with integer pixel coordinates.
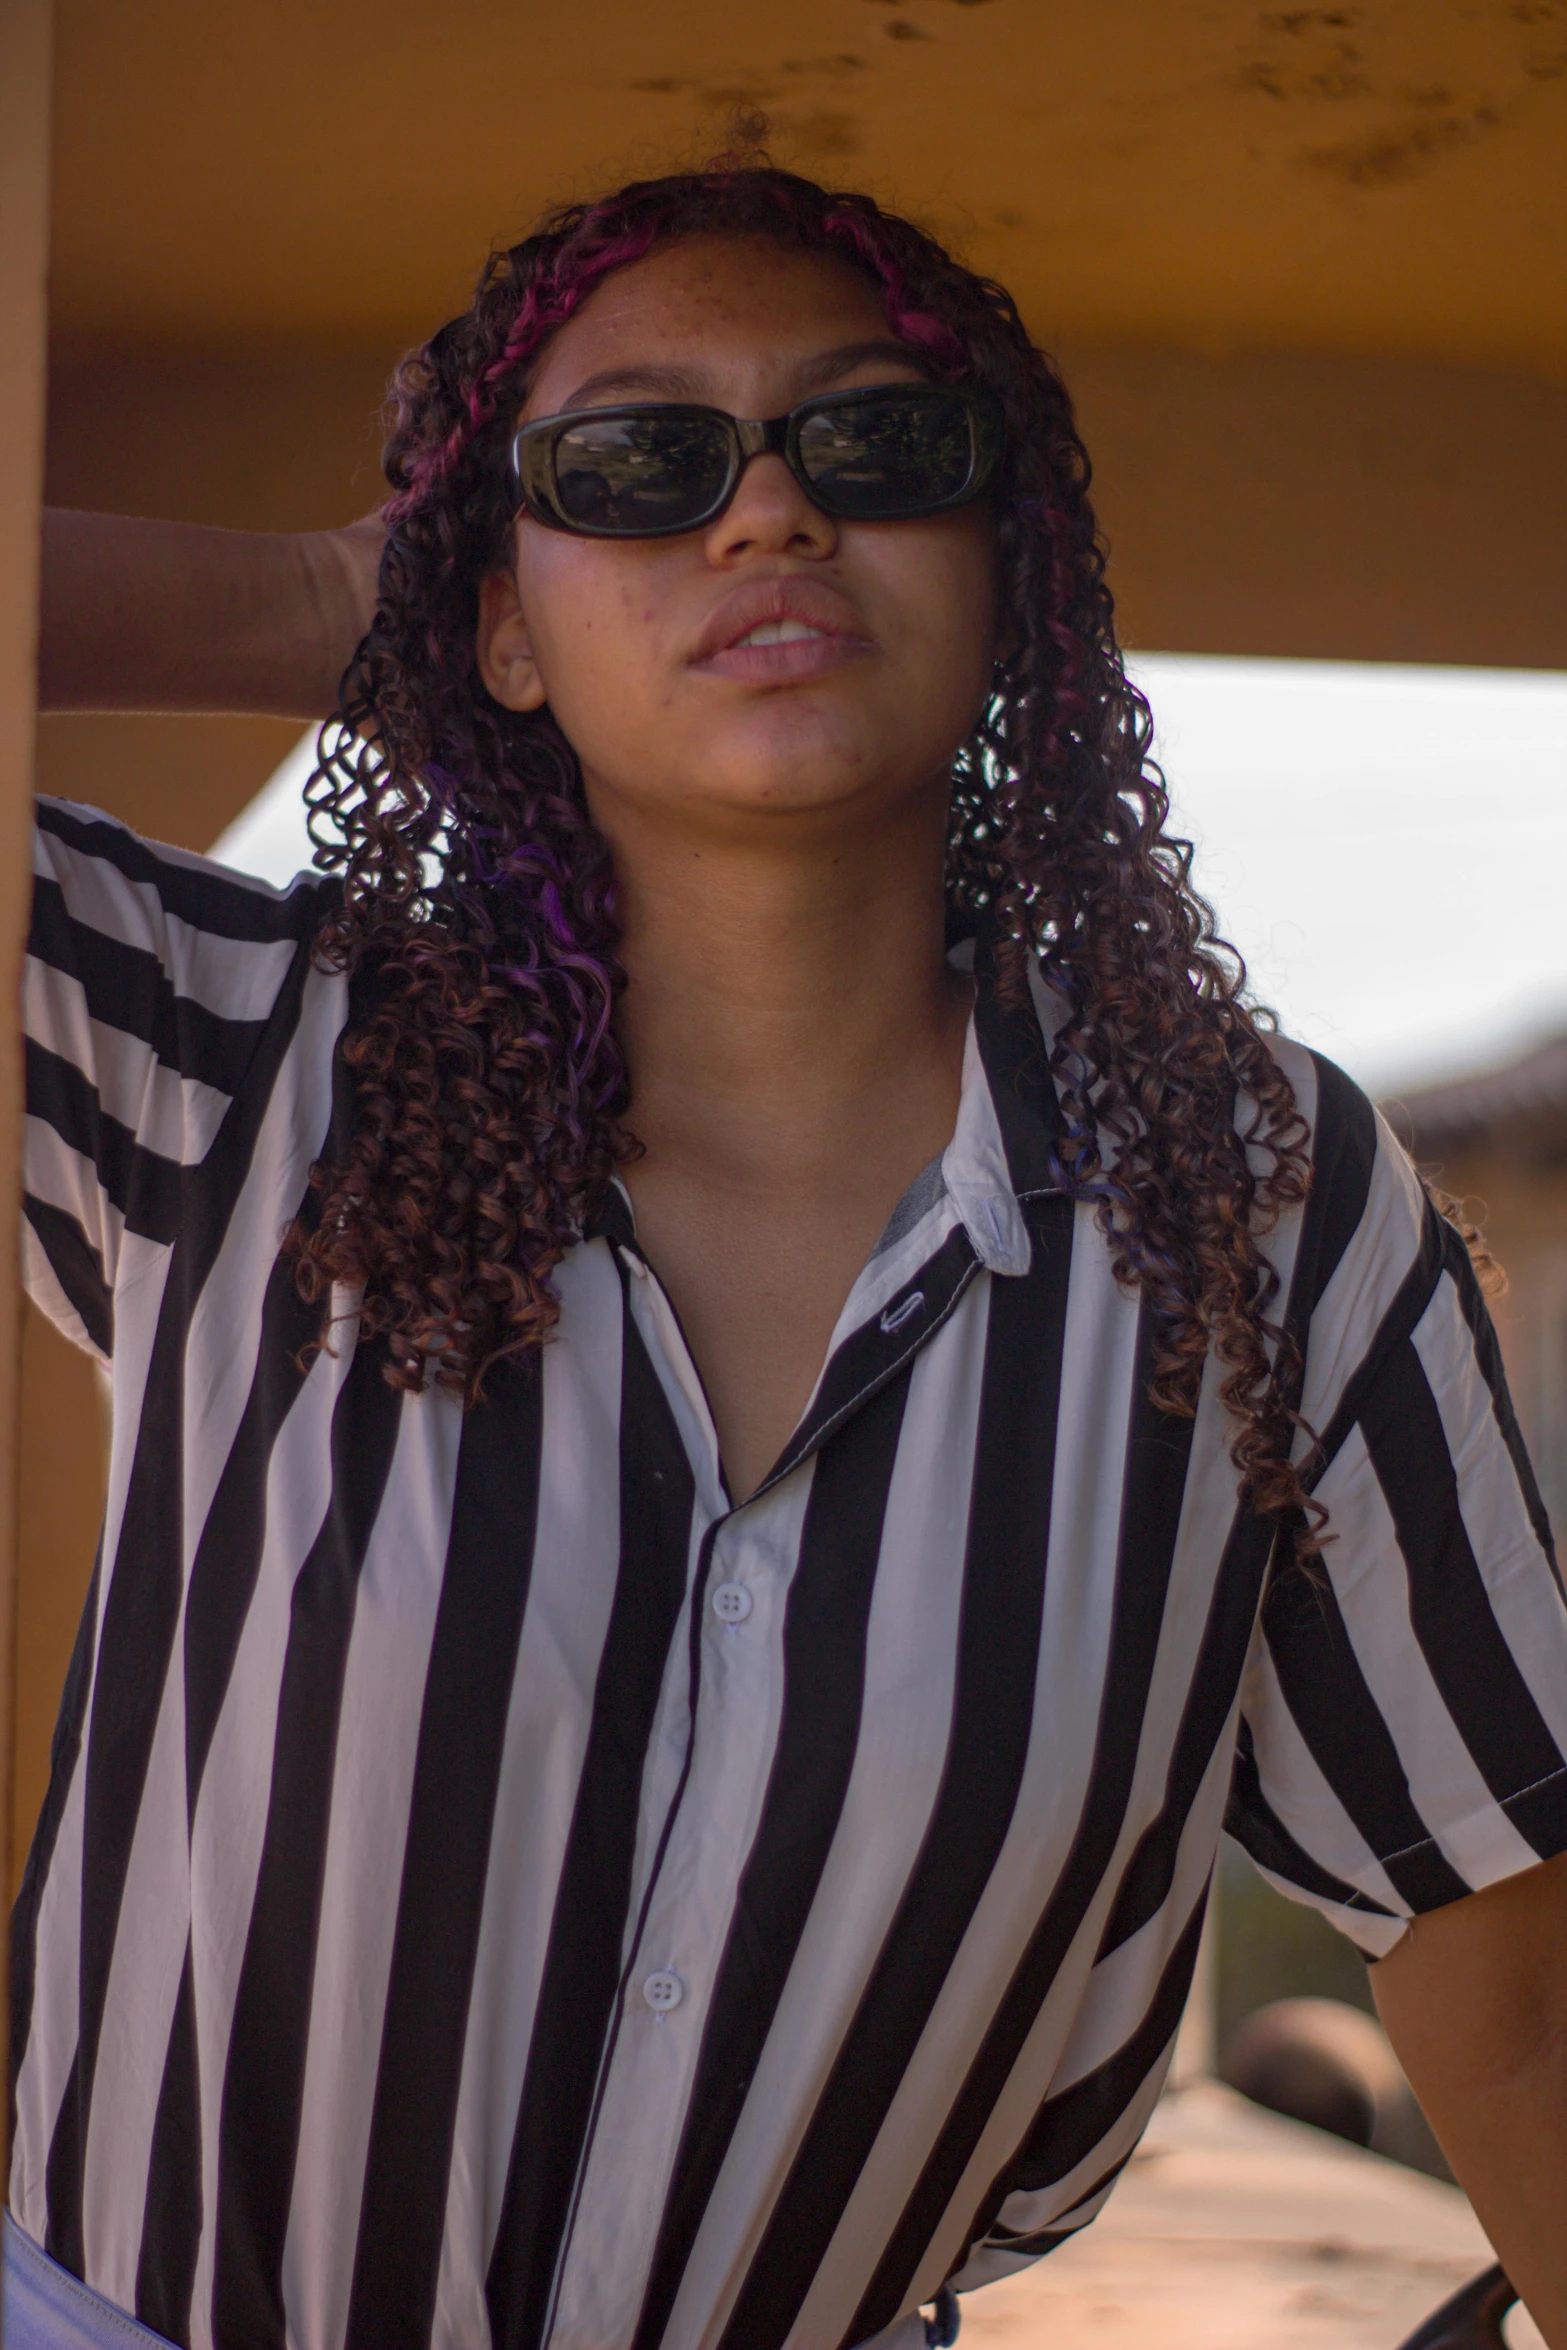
{"type": "Point", "coordinates": [788, 760]}
{"type": "Point", "coordinates": [792, 759]}
{"type": "Point", "coordinates": [801, 789]}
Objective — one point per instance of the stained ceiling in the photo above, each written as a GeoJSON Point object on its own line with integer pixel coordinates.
{"type": "Point", "coordinates": [1383, 176]}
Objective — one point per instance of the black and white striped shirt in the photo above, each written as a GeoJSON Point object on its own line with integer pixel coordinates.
{"type": "Point", "coordinates": [493, 1891]}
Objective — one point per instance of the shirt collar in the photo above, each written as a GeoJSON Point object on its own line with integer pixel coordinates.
{"type": "Point", "coordinates": [1003, 1148]}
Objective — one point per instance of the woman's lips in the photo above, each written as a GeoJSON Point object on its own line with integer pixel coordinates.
{"type": "Point", "coordinates": [784, 661]}
{"type": "Point", "coordinates": [780, 632]}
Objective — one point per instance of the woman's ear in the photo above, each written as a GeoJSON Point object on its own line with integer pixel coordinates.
{"type": "Point", "coordinates": [505, 648]}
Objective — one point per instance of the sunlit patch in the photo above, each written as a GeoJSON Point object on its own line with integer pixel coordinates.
{"type": "Point", "coordinates": [1385, 846]}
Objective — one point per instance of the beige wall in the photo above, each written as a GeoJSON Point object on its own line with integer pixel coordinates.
{"type": "Point", "coordinates": [1266, 504]}
{"type": "Point", "coordinates": [1332, 507]}
{"type": "Point", "coordinates": [1288, 503]}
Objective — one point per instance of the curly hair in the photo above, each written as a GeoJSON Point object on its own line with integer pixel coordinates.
{"type": "Point", "coordinates": [478, 901]}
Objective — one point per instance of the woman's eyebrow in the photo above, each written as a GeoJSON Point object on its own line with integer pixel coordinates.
{"type": "Point", "coordinates": [815, 374]}
{"type": "Point", "coordinates": [830, 367]}
{"type": "Point", "coordinates": [663, 383]}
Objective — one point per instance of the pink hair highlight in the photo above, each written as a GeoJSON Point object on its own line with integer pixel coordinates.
{"type": "Point", "coordinates": [581, 263]}
{"type": "Point", "coordinates": [545, 307]}
{"type": "Point", "coordinates": [921, 328]}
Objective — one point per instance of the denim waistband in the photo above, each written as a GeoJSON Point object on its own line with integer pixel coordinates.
{"type": "Point", "coordinates": [46, 2308]}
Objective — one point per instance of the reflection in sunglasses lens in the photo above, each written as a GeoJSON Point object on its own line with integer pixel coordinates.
{"type": "Point", "coordinates": [640, 473]}
{"type": "Point", "coordinates": [885, 458]}
{"type": "Point", "coordinates": [668, 468]}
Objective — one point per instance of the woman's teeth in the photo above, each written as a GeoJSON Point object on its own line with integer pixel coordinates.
{"type": "Point", "coordinates": [779, 632]}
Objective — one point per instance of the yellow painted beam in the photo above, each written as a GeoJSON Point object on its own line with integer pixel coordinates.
{"type": "Point", "coordinates": [1375, 176]}
{"type": "Point", "coordinates": [24, 254]}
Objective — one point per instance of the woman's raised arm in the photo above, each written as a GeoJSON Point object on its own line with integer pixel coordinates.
{"type": "Point", "coordinates": [139, 615]}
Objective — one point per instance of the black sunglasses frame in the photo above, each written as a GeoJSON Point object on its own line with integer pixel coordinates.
{"type": "Point", "coordinates": [534, 447]}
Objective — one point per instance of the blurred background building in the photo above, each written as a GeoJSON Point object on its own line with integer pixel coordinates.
{"type": "Point", "coordinates": [1500, 1138]}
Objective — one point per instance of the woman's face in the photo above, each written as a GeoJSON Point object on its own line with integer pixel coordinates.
{"type": "Point", "coordinates": [639, 645]}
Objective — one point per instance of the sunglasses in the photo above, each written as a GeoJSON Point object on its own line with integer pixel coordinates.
{"type": "Point", "coordinates": [660, 467]}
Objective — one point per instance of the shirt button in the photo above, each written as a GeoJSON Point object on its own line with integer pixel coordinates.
{"type": "Point", "coordinates": [731, 1603]}
{"type": "Point", "coordinates": [663, 1991]}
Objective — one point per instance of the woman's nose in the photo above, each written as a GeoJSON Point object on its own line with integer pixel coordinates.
{"type": "Point", "coordinates": [770, 513]}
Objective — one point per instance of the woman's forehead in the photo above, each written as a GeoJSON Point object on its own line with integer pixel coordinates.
{"type": "Point", "coordinates": [709, 310]}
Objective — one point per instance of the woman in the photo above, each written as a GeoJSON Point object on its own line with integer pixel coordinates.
{"type": "Point", "coordinates": [746, 1393]}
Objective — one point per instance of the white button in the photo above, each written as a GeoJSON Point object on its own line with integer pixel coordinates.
{"type": "Point", "coordinates": [663, 1991]}
{"type": "Point", "coordinates": [731, 1603]}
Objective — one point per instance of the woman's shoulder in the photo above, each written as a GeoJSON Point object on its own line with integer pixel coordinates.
{"type": "Point", "coordinates": [1369, 1249]}
{"type": "Point", "coordinates": [1356, 1157]}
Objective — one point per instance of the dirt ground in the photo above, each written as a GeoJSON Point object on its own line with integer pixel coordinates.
{"type": "Point", "coordinates": [1234, 2230]}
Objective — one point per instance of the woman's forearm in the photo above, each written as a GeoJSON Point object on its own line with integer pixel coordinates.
{"type": "Point", "coordinates": [1507, 2142]}
{"type": "Point", "coordinates": [141, 615]}
{"type": "Point", "coordinates": [1509, 2151]}
{"type": "Point", "coordinates": [1475, 2003]}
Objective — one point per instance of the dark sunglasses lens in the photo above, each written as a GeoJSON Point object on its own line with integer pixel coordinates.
{"type": "Point", "coordinates": [880, 458]}
{"type": "Point", "coordinates": [641, 473]}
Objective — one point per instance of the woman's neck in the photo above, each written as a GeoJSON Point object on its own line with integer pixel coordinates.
{"type": "Point", "coordinates": [795, 1042]}
{"type": "Point", "coordinates": [776, 992]}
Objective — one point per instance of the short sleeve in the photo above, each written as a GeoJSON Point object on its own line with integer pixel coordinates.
{"type": "Point", "coordinates": [148, 982]}
{"type": "Point", "coordinates": [1403, 1733]}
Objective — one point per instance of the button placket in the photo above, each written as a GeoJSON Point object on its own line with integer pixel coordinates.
{"type": "Point", "coordinates": [685, 1906]}
{"type": "Point", "coordinates": [663, 1990]}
